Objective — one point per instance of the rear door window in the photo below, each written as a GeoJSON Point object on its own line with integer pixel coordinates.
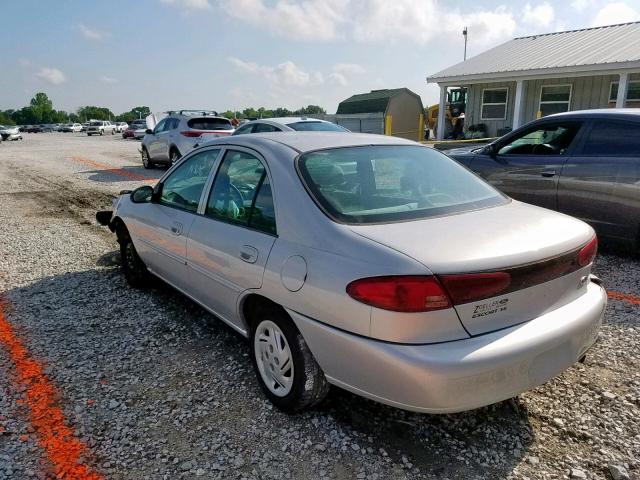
{"type": "Point", "coordinates": [209, 124]}
{"type": "Point", "coordinates": [613, 139]}
{"type": "Point", "coordinates": [241, 193]}
{"type": "Point", "coordinates": [316, 127]}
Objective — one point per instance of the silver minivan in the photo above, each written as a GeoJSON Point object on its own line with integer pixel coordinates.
{"type": "Point", "coordinates": [367, 262]}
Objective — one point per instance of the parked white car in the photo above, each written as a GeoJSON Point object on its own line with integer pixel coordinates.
{"type": "Point", "coordinates": [368, 262]}
{"type": "Point", "coordinates": [71, 127]}
{"type": "Point", "coordinates": [101, 127]}
{"type": "Point", "coordinates": [121, 126]}
{"type": "Point", "coordinates": [10, 133]}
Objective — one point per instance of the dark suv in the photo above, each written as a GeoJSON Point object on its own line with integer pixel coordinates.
{"type": "Point", "coordinates": [585, 164]}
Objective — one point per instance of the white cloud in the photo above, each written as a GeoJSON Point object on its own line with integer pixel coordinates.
{"type": "Point", "coordinates": [614, 13]}
{"type": "Point", "coordinates": [91, 33]}
{"type": "Point", "coordinates": [286, 74]}
{"type": "Point", "coordinates": [107, 79]}
{"type": "Point", "coordinates": [316, 20]}
{"type": "Point", "coordinates": [348, 68]}
{"type": "Point", "coordinates": [541, 15]}
{"type": "Point", "coordinates": [24, 62]}
{"type": "Point", "coordinates": [51, 75]}
{"type": "Point", "coordinates": [383, 21]}
{"type": "Point", "coordinates": [582, 5]}
{"type": "Point", "coordinates": [189, 4]}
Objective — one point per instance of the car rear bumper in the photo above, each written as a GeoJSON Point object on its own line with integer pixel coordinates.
{"type": "Point", "coordinates": [463, 374]}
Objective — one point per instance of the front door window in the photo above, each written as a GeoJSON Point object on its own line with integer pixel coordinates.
{"type": "Point", "coordinates": [183, 188]}
{"type": "Point", "coordinates": [552, 139]}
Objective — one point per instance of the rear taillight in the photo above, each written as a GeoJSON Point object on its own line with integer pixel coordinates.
{"type": "Point", "coordinates": [588, 253]}
{"type": "Point", "coordinates": [469, 287]}
{"type": "Point", "coordinates": [400, 293]}
{"type": "Point", "coordinates": [191, 133]}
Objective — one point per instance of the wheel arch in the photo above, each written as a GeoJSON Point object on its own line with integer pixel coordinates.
{"type": "Point", "coordinates": [249, 307]}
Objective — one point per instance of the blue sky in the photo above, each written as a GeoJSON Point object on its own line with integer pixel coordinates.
{"type": "Point", "coordinates": [231, 54]}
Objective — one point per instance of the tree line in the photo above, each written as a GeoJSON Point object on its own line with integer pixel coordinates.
{"type": "Point", "coordinates": [40, 110]}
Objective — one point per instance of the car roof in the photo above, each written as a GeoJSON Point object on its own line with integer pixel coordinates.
{"type": "Point", "coordinates": [309, 141]}
{"type": "Point", "coordinates": [632, 113]}
{"type": "Point", "coordinates": [288, 120]}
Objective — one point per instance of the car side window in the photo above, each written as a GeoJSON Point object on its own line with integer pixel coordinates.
{"type": "Point", "coordinates": [172, 124]}
{"type": "Point", "coordinates": [183, 188]}
{"type": "Point", "coordinates": [613, 138]}
{"type": "Point", "coordinates": [264, 128]}
{"type": "Point", "coordinates": [241, 193]}
{"type": "Point", "coordinates": [549, 139]}
{"type": "Point", "coordinates": [244, 129]}
{"type": "Point", "coordinates": [160, 126]}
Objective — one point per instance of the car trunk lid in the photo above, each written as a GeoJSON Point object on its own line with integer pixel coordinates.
{"type": "Point", "coordinates": [531, 252]}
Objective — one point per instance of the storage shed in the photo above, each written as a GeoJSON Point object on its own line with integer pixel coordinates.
{"type": "Point", "coordinates": [396, 111]}
{"type": "Point", "coordinates": [538, 75]}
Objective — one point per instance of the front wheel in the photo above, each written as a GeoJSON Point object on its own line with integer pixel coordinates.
{"type": "Point", "coordinates": [113, 132]}
{"type": "Point", "coordinates": [146, 161]}
{"type": "Point", "coordinates": [287, 372]}
{"type": "Point", "coordinates": [135, 271]}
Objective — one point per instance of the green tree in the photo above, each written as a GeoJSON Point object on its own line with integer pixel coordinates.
{"type": "Point", "coordinates": [134, 114]}
{"type": "Point", "coordinates": [311, 110]}
{"type": "Point", "coordinates": [42, 108]}
{"type": "Point", "coordinates": [6, 118]}
{"type": "Point", "coordinates": [91, 112]}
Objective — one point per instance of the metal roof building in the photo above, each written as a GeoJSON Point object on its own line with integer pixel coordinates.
{"type": "Point", "coordinates": [541, 74]}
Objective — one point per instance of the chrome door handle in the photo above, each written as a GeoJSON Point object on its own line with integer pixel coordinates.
{"type": "Point", "coordinates": [248, 254]}
{"type": "Point", "coordinates": [548, 173]}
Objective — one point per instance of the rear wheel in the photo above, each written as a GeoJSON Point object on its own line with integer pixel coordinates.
{"type": "Point", "coordinates": [135, 271]}
{"type": "Point", "coordinates": [146, 161]}
{"type": "Point", "coordinates": [287, 372]}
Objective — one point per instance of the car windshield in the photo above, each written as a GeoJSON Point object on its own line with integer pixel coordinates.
{"type": "Point", "coordinates": [95, 124]}
{"type": "Point", "coordinates": [388, 183]}
{"type": "Point", "coordinates": [316, 127]}
{"type": "Point", "coordinates": [210, 124]}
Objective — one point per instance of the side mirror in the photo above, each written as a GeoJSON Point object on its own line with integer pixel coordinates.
{"type": "Point", "coordinates": [491, 150]}
{"type": "Point", "coordinates": [142, 194]}
{"type": "Point", "coordinates": [157, 192]}
{"type": "Point", "coordinates": [148, 131]}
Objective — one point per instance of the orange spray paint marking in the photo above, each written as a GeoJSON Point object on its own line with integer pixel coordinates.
{"type": "Point", "coordinates": [63, 450]}
{"type": "Point", "coordinates": [115, 171]}
{"type": "Point", "coordinates": [632, 299]}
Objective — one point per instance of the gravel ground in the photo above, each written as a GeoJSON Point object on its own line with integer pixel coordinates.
{"type": "Point", "coordinates": [157, 388]}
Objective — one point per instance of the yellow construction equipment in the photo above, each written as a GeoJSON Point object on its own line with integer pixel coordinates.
{"type": "Point", "coordinates": [456, 105]}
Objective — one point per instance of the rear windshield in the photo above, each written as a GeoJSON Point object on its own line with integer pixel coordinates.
{"type": "Point", "coordinates": [210, 124]}
{"type": "Point", "coordinates": [142, 124]}
{"type": "Point", "coordinates": [316, 127]}
{"type": "Point", "coordinates": [380, 184]}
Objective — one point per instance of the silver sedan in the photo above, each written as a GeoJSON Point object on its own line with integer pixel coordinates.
{"type": "Point", "coordinates": [367, 262]}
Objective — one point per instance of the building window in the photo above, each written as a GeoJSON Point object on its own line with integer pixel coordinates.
{"type": "Point", "coordinates": [633, 92]}
{"type": "Point", "coordinates": [555, 99]}
{"type": "Point", "coordinates": [494, 103]}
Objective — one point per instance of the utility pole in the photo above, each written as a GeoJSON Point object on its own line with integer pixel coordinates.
{"type": "Point", "coordinates": [464, 32]}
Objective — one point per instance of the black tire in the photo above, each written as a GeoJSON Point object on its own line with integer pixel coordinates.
{"type": "Point", "coordinates": [88, 134]}
{"type": "Point", "coordinates": [174, 155]}
{"type": "Point", "coordinates": [309, 385]}
{"type": "Point", "coordinates": [113, 131]}
{"type": "Point", "coordinates": [135, 271]}
{"type": "Point", "coordinates": [101, 132]}
{"type": "Point", "coordinates": [146, 161]}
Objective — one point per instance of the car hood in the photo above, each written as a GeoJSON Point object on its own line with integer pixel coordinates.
{"type": "Point", "coordinates": [498, 237]}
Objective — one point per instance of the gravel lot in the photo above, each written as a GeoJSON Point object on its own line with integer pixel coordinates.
{"type": "Point", "coordinates": [156, 388]}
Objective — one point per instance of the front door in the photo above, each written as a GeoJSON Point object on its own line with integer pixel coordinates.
{"type": "Point", "coordinates": [157, 144]}
{"type": "Point", "coordinates": [161, 227]}
{"type": "Point", "coordinates": [229, 245]}
{"type": "Point", "coordinates": [527, 165]}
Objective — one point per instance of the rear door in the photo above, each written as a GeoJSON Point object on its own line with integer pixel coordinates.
{"type": "Point", "coordinates": [161, 227]}
{"type": "Point", "coordinates": [527, 165]}
{"type": "Point", "coordinates": [600, 183]}
{"type": "Point", "coordinates": [229, 245]}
